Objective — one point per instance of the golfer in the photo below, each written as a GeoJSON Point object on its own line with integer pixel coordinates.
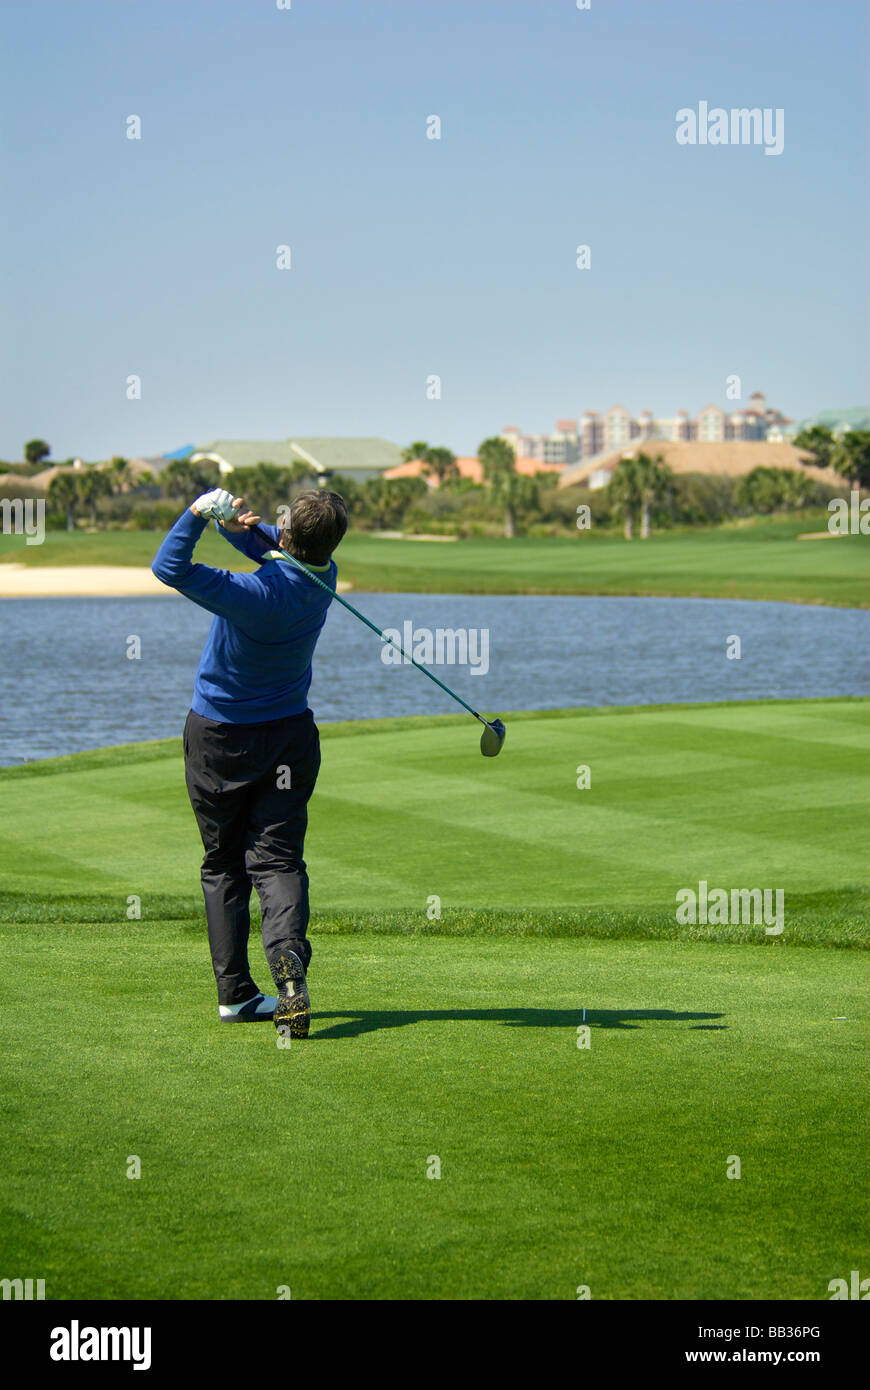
{"type": "Point", "coordinates": [251, 747]}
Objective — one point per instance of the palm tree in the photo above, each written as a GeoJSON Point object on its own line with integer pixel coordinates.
{"type": "Point", "coordinates": [440, 462]}
{"type": "Point", "coordinates": [121, 475]}
{"type": "Point", "coordinates": [525, 493]}
{"type": "Point", "coordinates": [386, 500]}
{"type": "Point", "coordinates": [637, 484]}
{"type": "Point", "coordinates": [624, 492]}
{"type": "Point", "coordinates": [851, 457]}
{"type": "Point", "coordinates": [186, 480]}
{"type": "Point", "coordinates": [63, 493]}
{"type": "Point", "coordinates": [417, 450]}
{"type": "Point", "coordinates": [499, 464]}
{"type": "Point", "coordinates": [656, 486]}
{"type": "Point", "coordinates": [267, 486]}
{"type": "Point", "coordinates": [819, 443]}
{"type": "Point", "coordinates": [91, 485]}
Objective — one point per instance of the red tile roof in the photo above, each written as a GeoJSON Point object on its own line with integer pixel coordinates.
{"type": "Point", "coordinates": [470, 468]}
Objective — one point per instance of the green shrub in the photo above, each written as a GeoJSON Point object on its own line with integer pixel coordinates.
{"type": "Point", "coordinates": [768, 490]}
{"type": "Point", "coordinates": [155, 516]}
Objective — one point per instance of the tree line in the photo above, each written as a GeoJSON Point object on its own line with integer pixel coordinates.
{"type": "Point", "coordinates": [643, 493]}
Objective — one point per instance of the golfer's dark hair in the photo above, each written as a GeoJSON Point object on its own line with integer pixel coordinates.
{"type": "Point", "coordinates": [315, 525]}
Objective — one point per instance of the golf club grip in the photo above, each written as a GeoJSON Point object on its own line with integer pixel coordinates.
{"type": "Point", "coordinates": [362, 617]}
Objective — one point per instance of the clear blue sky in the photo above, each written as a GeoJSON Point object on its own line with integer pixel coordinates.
{"type": "Point", "coordinates": [412, 256]}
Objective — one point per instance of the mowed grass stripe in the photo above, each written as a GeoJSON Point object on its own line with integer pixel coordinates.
{"type": "Point", "coordinates": [630, 815]}
{"type": "Point", "coordinates": [409, 811]}
{"type": "Point", "coordinates": [831, 722]}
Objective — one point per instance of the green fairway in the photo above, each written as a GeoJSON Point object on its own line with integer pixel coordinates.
{"type": "Point", "coordinates": [758, 559]}
{"type": "Point", "coordinates": [763, 794]}
{"type": "Point", "coordinates": [453, 1038]}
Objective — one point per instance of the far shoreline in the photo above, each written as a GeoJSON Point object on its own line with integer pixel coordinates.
{"type": "Point", "coordinates": [19, 581]}
{"type": "Point", "coordinates": [88, 581]}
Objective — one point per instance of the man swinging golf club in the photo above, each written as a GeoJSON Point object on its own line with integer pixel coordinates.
{"type": "Point", "coordinates": [251, 747]}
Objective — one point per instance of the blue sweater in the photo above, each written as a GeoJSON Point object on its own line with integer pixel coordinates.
{"type": "Point", "coordinates": [256, 664]}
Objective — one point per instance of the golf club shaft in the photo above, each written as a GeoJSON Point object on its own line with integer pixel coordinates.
{"type": "Point", "coordinates": [363, 619]}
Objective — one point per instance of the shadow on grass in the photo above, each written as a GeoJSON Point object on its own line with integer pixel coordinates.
{"type": "Point", "coordinates": [358, 1021]}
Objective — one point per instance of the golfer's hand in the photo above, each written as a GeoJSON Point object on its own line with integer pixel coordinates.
{"type": "Point", "coordinates": [242, 519]}
{"type": "Point", "coordinates": [216, 505]}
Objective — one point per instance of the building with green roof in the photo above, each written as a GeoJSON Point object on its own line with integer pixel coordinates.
{"type": "Point", "coordinates": [359, 459]}
{"type": "Point", "coordinates": [856, 417]}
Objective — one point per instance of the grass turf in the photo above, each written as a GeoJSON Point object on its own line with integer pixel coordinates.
{"type": "Point", "coordinates": [454, 1038]}
{"type": "Point", "coordinates": [765, 794]}
{"type": "Point", "coordinates": [759, 558]}
{"type": "Point", "coordinates": [307, 1167]}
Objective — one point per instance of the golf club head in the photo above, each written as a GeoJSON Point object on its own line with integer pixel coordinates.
{"type": "Point", "coordinates": [492, 738]}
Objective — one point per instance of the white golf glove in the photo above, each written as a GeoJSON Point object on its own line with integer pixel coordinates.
{"type": "Point", "coordinates": [216, 505]}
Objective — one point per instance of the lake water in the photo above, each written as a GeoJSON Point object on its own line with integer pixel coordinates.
{"type": "Point", "coordinates": [67, 684]}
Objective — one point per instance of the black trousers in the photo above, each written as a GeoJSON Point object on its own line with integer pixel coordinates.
{"type": "Point", "coordinates": [249, 786]}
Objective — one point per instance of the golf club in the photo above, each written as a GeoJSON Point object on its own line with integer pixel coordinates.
{"type": "Point", "coordinates": [493, 735]}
